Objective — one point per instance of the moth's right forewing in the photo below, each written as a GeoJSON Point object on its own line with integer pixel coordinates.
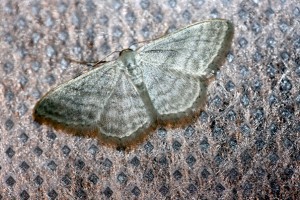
{"type": "Point", "coordinates": [196, 50]}
{"type": "Point", "coordinates": [173, 66]}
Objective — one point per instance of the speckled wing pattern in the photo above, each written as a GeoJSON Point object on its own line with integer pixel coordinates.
{"type": "Point", "coordinates": [161, 81]}
{"type": "Point", "coordinates": [102, 100]}
{"type": "Point", "coordinates": [125, 112]}
{"type": "Point", "coordinates": [173, 66]}
{"type": "Point", "coordinates": [76, 102]}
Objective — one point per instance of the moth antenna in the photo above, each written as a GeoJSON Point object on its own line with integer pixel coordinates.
{"type": "Point", "coordinates": [93, 63]}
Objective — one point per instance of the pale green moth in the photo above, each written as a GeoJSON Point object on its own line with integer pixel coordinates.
{"type": "Point", "coordinates": [162, 82]}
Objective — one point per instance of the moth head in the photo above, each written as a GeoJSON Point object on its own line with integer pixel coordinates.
{"type": "Point", "coordinates": [125, 51]}
{"type": "Point", "coordinates": [127, 56]}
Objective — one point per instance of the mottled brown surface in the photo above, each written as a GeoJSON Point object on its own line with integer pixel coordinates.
{"type": "Point", "coordinates": [244, 144]}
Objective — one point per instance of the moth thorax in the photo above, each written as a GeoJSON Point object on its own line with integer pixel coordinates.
{"type": "Point", "coordinates": [135, 73]}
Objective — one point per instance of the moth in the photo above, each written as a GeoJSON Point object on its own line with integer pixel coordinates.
{"type": "Point", "coordinates": [160, 83]}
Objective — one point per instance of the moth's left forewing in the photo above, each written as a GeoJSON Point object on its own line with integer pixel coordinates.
{"type": "Point", "coordinates": [78, 103]}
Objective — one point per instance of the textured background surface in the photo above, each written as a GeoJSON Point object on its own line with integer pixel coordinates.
{"type": "Point", "coordinates": [244, 144]}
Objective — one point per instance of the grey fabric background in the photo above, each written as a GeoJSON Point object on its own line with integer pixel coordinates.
{"type": "Point", "coordinates": [244, 145]}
